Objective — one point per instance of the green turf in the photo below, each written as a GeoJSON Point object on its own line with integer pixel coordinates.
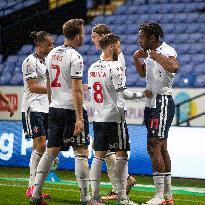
{"type": "Point", "coordinates": [12, 191]}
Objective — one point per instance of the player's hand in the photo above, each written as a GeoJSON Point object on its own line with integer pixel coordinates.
{"type": "Point", "coordinates": [148, 94]}
{"type": "Point", "coordinates": [139, 54]}
{"type": "Point", "coordinates": [79, 127]}
{"type": "Point", "coordinates": [11, 110]}
{"type": "Point", "coordinates": [153, 54]}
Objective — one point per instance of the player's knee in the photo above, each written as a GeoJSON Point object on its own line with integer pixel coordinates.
{"type": "Point", "coordinates": [121, 154]}
{"type": "Point", "coordinates": [81, 151]}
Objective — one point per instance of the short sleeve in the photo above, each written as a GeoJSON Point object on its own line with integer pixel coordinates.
{"type": "Point", "coordinates": [30, 70]}
{"type": "Point", "coordinates": [117, 75]}
{"type": "Point", "coordinates": [77, 67]}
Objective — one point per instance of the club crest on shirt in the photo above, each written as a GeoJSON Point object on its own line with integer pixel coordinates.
{"type": "Point", "coordinates": [36, 129]}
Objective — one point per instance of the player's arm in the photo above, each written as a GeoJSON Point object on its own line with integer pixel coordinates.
{"type": "Point", "coordinates": [34, 87]}
{"type": "Point", "coordinates": [129, 95]}
{"type": "Point", "coordinates": [140, 67]}
{"type": "Point", "coordinates": [170, 64]}
{"type": "Point", "coordinates": [48, 88]}
{"type": "Point", "coordinates": [31, 78]}
{"type": "Point", "coordinates": [6, 101]}
{"type": "Point", "coordinates": [77, 94]}
{"type": "Point", "coordinates": [85, 87]}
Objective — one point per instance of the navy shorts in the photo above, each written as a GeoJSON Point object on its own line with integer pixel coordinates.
{"type": "Point", "coordinates": [35, 124]}
{"type": "Point", "coordinates": [61, 129]}
{"type": "Point", "coordinates": [158, 120]}
{"type": "Point", "coordinates": [111, 136]}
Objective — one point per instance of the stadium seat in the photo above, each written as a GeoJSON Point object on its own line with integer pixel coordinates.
{"type": "Point", "coordinates": [26, 49]}
{"type": "Point", "coordinates": [199, 69]}
{"type": "Point", "coordinates": [199, 81]}
{"type": "Point", "coordinates": [196, 48]}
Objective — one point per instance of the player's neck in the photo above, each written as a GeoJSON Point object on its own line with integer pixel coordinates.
{"type": "Point", "coordinates": [156, 45]}
{"type": "Point", "coordinates": [69, 43]}
{"type": "Point", "coordinates": [107, 57]}
{"type": "Point", "coordinates": [39, 55]}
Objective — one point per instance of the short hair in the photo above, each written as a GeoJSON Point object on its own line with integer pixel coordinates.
{"type": "Point", "coordinates": [72, 28]}
{"type": "Point", "coordinates": [39, 36]}
{"type": "Point", "coordinates": [152, 29]}
{"type": "Point", "coordinates": [101, 29]}
{"type": "Point", "coordinates": [108, 39]}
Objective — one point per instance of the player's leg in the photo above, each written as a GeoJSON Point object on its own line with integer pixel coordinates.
{"type": "Point", "coordinates": [100, 148]}
{"type": "Point", "coordinates": [110, 160]}
{"type": "Point", "coordinates": [154, 149]}
{"type": "Point", "coordinates": [167, 179]}
{"type": "Point", "coordinates": [155, 120]}
{"type": "Point", "coordinates": [82, 172]}
{"type": "Point", "coordinates": [121, 139]}
{"type": "Point", "coordinates": [33, 122]}
{"type": "Point", "coordinates": [80, 147]}
{"type": "Point", "coordinates": [55, 141]}
{"type": "Point", "coordinates": [165, 153]}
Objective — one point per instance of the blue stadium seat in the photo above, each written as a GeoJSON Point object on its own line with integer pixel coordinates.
{"type": "Point", "coordinates": [191, 18]}
{"type": "Point", "coordinates": [170, 38]}
{"type": "Point", "coordinates": [192, 28]}
{"type": "Point", "coordinates": [180, 18]}
{"type": "Point", "coordinates": [181, 38]}
{"type": "Point", "coordinates": [132, 38]}
{"type": "Point", "coordinates": [119, 29]}
{"type": "Point", "coordinates": [186, 69]}
{"type": "Point", "coordinates": [198, 58]}
{"type": "Point", "coordinates": [5, 78]}
{"type": "Point", "coordinates": [167, 18]}
{"type": "Point", "coordinates": [180, 28]}
{"type": "Point", "coordinates": [200, 81]}
{"type": "Point", "coordinates": [168, 28]}
{"type": "Point", "coordinates": [182, 49]}
{"type": "Point", "coordinates": [109, 20]}
{"type": "Point", "coordinates": [195, 37]}
{"type": "Point", "coordinates": [84, 49]}
{"type": "Point", "coordinates": [20, 60]}
{"type": "Point", "coordinates": [26, 49]}
{"type": "Point", "coordinates": [186, 81]}
{"type": "Point", "coordinates": [185, 59]}
{"type": "Point", "coordinates": [88, 29]}
{"type": "Point", "coordinates": [59, 41]}
{"type": "Point", "coordinates": [131, 80]}
{"type": "Point", "coordinates": [196, 48]}
{"type": "Point", "coordinates": [120, 19]}
{"type": "Point", "coordinates": [199, 69]}
{"type": "Point", "coordinates": [131, 49]}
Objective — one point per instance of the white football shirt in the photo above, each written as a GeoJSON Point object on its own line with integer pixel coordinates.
{"type": "Point", "coordinates": [158, 80]}
{"type": "Point", "coordinates": [33, 68]}
{"type": "Point", "coordinates": [105, 79]}
{"type": "Point", "coordinates": [64, 64]}
{"type": "Point", "coordinates": [121, 59]}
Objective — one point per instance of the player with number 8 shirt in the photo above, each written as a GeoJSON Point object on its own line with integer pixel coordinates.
{"type": "Point", "coordinates": [105, 80]}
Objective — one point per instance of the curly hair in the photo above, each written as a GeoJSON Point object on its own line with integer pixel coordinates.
{"type": "Point", "coordinates": [152, 29]}
{"type": "Point", "coordinates": [108, 39]}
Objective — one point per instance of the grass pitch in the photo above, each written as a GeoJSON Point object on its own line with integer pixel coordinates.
{"type": "Point", "coordinates": [13, 184]}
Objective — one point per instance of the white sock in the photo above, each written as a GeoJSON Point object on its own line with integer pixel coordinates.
{"type": "Point", "coordinates": [34, 160]}
{"type": "Point", "coordinates": [121, 176]}
{"type": "Point", "coordinates": [167, 185]}
{"type": "Point", "coordinates": [95, 176]}
{"type": "Point", "coordinates": [111, 167]}
{"type": "Point", "coordinates": [159, 184]}
{"type": "Point", "coordinates": [83, 177]}
{"type": "Point", "coordinates": [41, 174]}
